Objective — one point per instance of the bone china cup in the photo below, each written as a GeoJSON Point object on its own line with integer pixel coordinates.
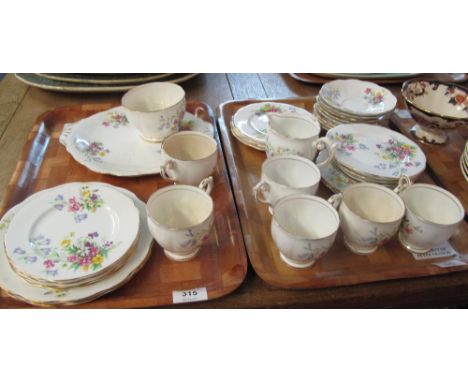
{"type": "Point", "coordinates": [303, 228]}
{"type": "Point", "coordinates": [285, 175]}
{"type": "Point", "coordinates": [370, 215]}
{"type": "Point", "coordinates": [289, 133]}
{"type": "Point", "coordinates": [180, 218]}
{"type": "Point", "coordinates": [188, 157]}
{"type": "Point", "coordinates": [432, 216]}
{"type": "Point", "coordinates": [155, 109]}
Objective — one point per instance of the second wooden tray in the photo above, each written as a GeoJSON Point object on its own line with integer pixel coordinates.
{"type": "Point", "coordinates": [221, 264]}
{"type": "Point", "coordinates": [340, 266]}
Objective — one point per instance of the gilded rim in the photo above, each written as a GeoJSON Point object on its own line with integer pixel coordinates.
{"type": "Point", "coordinates": [441, 190]}
{"type": "Point", "coordinates": [423, 110]}
{"type": "Point", "coordinates": [307, 197]}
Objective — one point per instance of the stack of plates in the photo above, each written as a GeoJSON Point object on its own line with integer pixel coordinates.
{"type": "Point", "coordinates": [97, 82]}
{"type": "Point", "coordinates": [353, 101]}
{"type": "Point", "coordinates": [464, 162]}
{"type": "Point", "coordinates": [372, 154]}
{"type": "Point", "coordinates": [72, 243]}
{"type": "Point", "coordinates": [249, 124]}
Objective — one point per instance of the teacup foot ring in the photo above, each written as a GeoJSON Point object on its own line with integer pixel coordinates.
{"type": "Point", "coordinates": [294, 264]}
{"type": "Point", "coordinates": [359, 251]}
{"type": "Point", "coordinates": [409, 247]}
{"type": "Point", "coordinates": [181, 257]}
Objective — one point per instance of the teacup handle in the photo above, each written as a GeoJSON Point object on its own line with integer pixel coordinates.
{"type": "Point", "coordinates": [322, 144]}
{"type": "Point", "coordinates": [403, 183]}
{"type": "Point", "coordinates": [335, 200]}
{"type": "Point", "coordinates": [198, 112]}
{"type": "Point", "coordinates": [259, 192]}
{"type": "Point", "coordinates": [207, 185]}
{"type": "Point", "coordinates": [168, 165]}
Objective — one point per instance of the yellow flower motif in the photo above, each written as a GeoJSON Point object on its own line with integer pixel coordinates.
{"type": "Point", "coordinates": [85, 267]}
{"type": "Point", "coordinates": [65, 243]}
{"type": "Point", "coordinates": [85, 193]}
{"type": "Point", "coordinates": [102, 153]}
{"type": "Point", "coordinates": [98, 259]}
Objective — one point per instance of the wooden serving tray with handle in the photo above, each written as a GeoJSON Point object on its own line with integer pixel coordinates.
{"type": "Point", "coordinates": [340, 266]}
{"type": "Point", "coordinates": [221, 264]}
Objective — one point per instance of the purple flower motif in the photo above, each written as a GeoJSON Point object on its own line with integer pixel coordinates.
{"type": "Point", "coordinates": [58, 207]}
{"type": "Point", "coordinates": [93, 234]}
{"type": "Point", "coordinates": [30, 259]}
{"type": "Point", "coordinates": [80, 217]}
{"type": "Point", "coordinates": [52, 272]}
{"type": "Point", "coordinates": [19, 251]}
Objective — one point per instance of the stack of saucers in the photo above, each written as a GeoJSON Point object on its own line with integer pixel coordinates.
{"type": "Point", "coordinates": [353, 101]}
{"type": "Point", "coordinates": [373, 154]}
{"type": "Point", "coordinates": [72, 243]}
{"type": "Point", "coordinates": [464, 162]}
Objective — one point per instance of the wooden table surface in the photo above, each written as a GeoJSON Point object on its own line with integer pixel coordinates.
{"type": "Point", "coordinates": [20, 105]}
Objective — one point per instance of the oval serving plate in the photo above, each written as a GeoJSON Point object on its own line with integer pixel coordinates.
{"type": "Point", "coordinates": [107, 144]}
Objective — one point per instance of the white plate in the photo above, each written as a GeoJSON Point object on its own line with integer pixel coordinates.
{"type": "Point", "coordinates": [71, 233]}
{"type": "Point", "coordinates": [376, 150]}
{"type": "Point", "coordinates": [255, 129]}
{"type": "Point", "coordinates": [15, 286]}
{"type": "Point", "coordinates": [335, 179]}
{"type": "Point", "coordinates": [107, 144]}
{"type": "Point", "coordinates": [358, 97]}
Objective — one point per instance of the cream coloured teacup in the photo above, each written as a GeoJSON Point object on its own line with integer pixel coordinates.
{"type": "Point", "coordinates": [370, 215]}
{"type": "Point", "coordinates": [432, 216]}
{"type": "Point", "coordinates": [289, 133]}
{"type": "Point", "coordinates": [155, 109]}
{"type": "Point", "coordinates": [180, 218]}
{"type": "Point", "coordinates": [188, 157]}
{"type": "Point", "coordinates": [303, 228]}
{"type": "Point", "coordinates": [285, 175]}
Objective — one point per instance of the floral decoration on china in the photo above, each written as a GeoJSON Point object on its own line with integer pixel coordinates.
{"type": "Point", "coordinates": [88, 200]}
{"type": "Point", "coordinates": [78, 254]}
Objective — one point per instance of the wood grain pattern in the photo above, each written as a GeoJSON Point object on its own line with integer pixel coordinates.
{"type": "Point", "coordinates": [339, 267]}
{"type": "Point", "coordinates": [221, 264]}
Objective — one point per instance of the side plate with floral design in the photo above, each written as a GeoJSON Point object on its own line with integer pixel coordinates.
{"type": "Point", "coordinates": [107, 144]}
{"type": "Point", "coordinates": [15, 286]}
{"type": "Point", "coordinates": [250, 123]}
{"type": "Point", "coordinates": [71, 234]}
{"type": "Point", "coordinates": [377, 151]}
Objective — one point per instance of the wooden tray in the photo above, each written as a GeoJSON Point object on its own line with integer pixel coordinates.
{"type": "Point", "coordinates": [444, 160]}
{"type": "Point", "coordinates": [221, 264]}
{"type": "Point", "coordinates": [340, 266]}
{"type": "Point", "coordinates": [316, 79]}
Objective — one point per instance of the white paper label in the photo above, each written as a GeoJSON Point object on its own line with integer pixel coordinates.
{"type": "Point", "coordinates": [450, 263]}
{"type": "Point", "coordinates": [403, 113]}
{"type": "Point", "coordinates": [189, 295]}
{"type": "Point", "coordinates": [444, 250]}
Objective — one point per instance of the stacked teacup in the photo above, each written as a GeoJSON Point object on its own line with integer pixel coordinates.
{"type": "Point", "coordinates": [180, 216]}
{"type": "Point", "coordinates": [353, 101]}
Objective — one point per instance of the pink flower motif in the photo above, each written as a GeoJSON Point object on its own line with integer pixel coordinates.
{"type": "Point", "coordinates": [49, 264]}
{"type": "Point", "coordinates": [367, 91]}
{"type": "Point", "coordinates": [73, 205]}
